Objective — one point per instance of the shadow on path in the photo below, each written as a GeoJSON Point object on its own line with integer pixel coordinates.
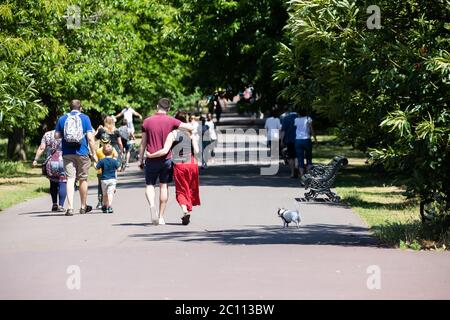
{"type": "Point", "coordinates": [318, 234]}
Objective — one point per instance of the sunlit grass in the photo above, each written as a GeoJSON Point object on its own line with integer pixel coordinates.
{"type": "Point", "coordinates": [379, 199]}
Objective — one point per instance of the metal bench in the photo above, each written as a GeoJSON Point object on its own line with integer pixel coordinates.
{"type": "Point", "coordinates": [320, 179]}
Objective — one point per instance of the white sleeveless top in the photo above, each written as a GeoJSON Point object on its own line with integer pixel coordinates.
{"type": "Point", "coordinates": [303, 130]}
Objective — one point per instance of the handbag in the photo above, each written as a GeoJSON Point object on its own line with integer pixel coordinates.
{"type": "Point", "coordinates": [44, 166]}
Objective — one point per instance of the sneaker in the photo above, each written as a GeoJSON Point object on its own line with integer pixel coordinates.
{"type": "Point", "coordinates": [154, 215]}
{"type": "Point", "coordinates": [60, 209]}
{"type": "Point", "coordinates": [109, 210]}
{"type": "Point", "coordinates": [86, 210]}
{"type": "Point", "coordinates": [55, 207]}
{"type": "Point", "coordinates": [185, 219]}
{"type": "Point", "coordinates": [104, 209]}
{"type": "Point", "coordinates": [99, 205]}
{"type": "Point", "coordinates": [69, 212]}
{"type": "Point", "coordinates": [161, 221]}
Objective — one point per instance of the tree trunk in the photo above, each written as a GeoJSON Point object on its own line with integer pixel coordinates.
{"type": "Point", "coordinates": [16, 145]}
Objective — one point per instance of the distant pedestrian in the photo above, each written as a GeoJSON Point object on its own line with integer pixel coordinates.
{"type": "Point", "coordinates": [212, 137]}
{"type": "Point", "coordinates": [155, 130]}
{"type": "Point", "coordinates": [127, 136]}
{"type": "Point", "coordinates": [220, 104]}
{"type": "Point", "coordinates": [54, 168]}
{"type": "Point", "coordinates": [108, 178]}
{"type": "Point", "coordinates": [128, 114]}
{"type": "Point", "coordinates": [204, 136]}
{"type": "Point", "coordinates": [303, 143]}
{"type": "Point", "coordinates": [185, 173]}
{"type": "Point", "coordinates": [288, 140]}
{"type": "Point", "coordinates": [273, 127]}
{"type": "Point", "coordinates": [77, 135]}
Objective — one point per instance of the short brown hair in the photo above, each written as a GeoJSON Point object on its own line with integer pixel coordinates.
{"type": "Point", "coordinates": [75, 104]}
{"type": "Point", "coordinates": [181, 115]}
{"type": "Point", "coordinates": [164, 104]}
{"type": "Point", "coordinates": [107, 150]}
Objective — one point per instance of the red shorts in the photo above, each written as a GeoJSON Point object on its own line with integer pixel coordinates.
{"type": "Point", "coordinates": [186, 180]}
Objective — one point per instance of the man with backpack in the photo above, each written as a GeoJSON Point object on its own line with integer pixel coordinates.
{"type": "Point", "coordinates": [77, 135]}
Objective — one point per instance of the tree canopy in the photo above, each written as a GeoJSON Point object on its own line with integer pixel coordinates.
{"type": "Point", "coordinates": [386, 88]}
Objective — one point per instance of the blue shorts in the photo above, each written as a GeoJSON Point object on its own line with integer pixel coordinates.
{"type": "Point", "coordinates": [155, 169]}
{"type": "Point", "coordinates": [303, 149]}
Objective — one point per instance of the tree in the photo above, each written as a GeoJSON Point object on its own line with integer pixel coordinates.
{"type": "Point", "coordinates": [111, 54]}
{"type": "Point", "coordinates": [387, 89]}
{"type": "Point", "coordinates": [231, 43]}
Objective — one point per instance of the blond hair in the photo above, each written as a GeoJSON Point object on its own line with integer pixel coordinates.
{"type": "Point", "coordinates": [109, 124]}
{"type": "Point", "coordinates": [107, 150]}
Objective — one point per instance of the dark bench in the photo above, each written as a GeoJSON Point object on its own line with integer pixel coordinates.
{"type": "Point", "coordinates": [320, 179]}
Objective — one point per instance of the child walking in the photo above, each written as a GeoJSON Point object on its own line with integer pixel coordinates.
{"type": "Point", "coordinates": [108, 178]}
{"type": "Point", "coordinates": [105, 139]}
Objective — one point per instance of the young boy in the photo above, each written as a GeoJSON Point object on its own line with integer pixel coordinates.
{"type": "Point", "coordinates": [108, 178]}
{"type": "Point", "coordinates": [104, 139]}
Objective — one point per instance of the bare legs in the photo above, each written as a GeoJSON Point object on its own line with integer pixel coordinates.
{"type": "Point", "coordinates": [70, 192]}
{"type": "Point", "coordinates": [163, 196]}
{"type": "Point", "coordinates": [83, 189]}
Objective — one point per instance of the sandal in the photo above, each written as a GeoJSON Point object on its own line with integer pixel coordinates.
{"type": "Point", "coordinates": [185, 219]}
{"type": "Point", "coordinates": [85, 210]}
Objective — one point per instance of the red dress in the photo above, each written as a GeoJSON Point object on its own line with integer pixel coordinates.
{"type": "Point", "coordinates": [186, 180]}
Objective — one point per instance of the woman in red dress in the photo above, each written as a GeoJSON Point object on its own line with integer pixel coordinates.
{"type": "Point", "coordinates": [185, 166]}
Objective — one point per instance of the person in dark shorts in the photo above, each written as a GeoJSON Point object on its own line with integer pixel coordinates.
{"type": "Point", "coordinates": [185, 149]}
{"type": "Point", "coordinates": [288, 139]}
{"type": "Point", "coordinates": [155, 130]}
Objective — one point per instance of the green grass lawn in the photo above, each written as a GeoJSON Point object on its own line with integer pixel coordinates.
{"type": "Point", "coordinates": [378, 199]}
{"type": "Point", "coordinates": [20, 182]}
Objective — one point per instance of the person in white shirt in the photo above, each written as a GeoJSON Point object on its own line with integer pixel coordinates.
{"type": "Point", "coordinates": [303, 143]}
{"type": "Point", "coordinates": [273, 127]}
{"type": "Point", "coordinates": [211, 135]}
{"type": "Point", "coordinates": [128, 114]}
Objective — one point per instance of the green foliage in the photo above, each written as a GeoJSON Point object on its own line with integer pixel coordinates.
{"type": "Point", "coordinates": [231, 43]}
{"type": "Point", "coordinates": [122, 52]}
{"type": "Point", "coordinates": [10, 169]}
{"type": "Point", "coordinates": [387, 89]}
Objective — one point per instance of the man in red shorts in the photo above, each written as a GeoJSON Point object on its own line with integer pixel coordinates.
{"type": "Point", "coordinates": [155, 130]}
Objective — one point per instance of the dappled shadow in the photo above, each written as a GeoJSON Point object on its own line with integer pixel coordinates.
{"type": "Point", "coordinates": [35, 212]}
{"type": "Point", "coordinates": [358, 202]}
{"type": "Point", "coordinates": [317, 234]}
{"type": "Point", "coordinates": [246, 175]}
{"type": "Point", "coordinates": [218, 175]}
{"type": "Point", "coordinates": [322, 201]}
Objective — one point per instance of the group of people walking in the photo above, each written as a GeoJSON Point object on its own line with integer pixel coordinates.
{"type": "Point", "coordinates": [169, 151]}
{"type": "Point", "coordinates": [293, 131]}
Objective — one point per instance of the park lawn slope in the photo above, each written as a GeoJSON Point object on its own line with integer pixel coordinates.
{"type": "Point", "coordinates": [378, 199]}
{"type": "Point", "coordinates": [19, 182]}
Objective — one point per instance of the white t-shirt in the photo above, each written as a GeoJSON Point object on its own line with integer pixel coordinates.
{"type": "Point", "coordinates": [128, 114]}
{"type": "Point", "coordinates": [211, 130]}
{"type": "Point", "coordinates": [273, 127]}
{"type": "Point", "coordinates": [303, 125]}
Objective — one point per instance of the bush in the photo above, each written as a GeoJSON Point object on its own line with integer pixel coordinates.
{"type": "Point", "coordinates": [9, 169]}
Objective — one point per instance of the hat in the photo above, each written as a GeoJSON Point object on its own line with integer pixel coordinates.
{"type": "Point", "coordinates": [105, 138]}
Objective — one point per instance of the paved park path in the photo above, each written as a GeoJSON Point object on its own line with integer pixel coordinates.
{"type": "Point", "coordinates": [234, 248]}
